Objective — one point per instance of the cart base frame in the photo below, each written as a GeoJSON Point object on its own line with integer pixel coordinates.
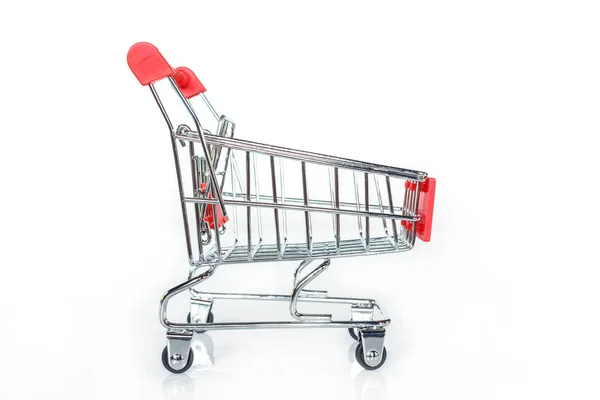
{"type": "Point", "coordinates": [363, 326]}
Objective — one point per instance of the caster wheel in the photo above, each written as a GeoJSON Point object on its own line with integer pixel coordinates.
{"type": "Point", "coordinates": [354, 334]}
{"type": "Point", "coordinates": [209, 320]}
{"type": "Point", "coordinates": [361, 360]}
{"type": "Point", "coordinates": [165, 361]}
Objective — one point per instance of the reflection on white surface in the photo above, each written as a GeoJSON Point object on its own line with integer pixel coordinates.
{"type": "Point", "coordinates": [204, 350]}
{"type": "Point", "coordinates": [369, 385]}
{"type": "Point", "coordinates": [181, 386]}
{"type": "Point", "coordinates": [178, 387]}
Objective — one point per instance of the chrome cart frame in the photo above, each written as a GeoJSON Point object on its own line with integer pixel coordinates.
{"type": "Point", "coordinates": [229, 220]}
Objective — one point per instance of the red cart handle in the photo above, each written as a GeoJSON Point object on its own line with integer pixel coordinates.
{"type": "Point", "coordinates": [188, 82]}
{"type": "Point", "coordinates": [147, 64]}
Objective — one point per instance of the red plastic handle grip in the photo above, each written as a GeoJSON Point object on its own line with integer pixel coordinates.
{"type": "Point", "coordinates": [188, 82]}
{"type": "Point", "coordinates": [147, 64]}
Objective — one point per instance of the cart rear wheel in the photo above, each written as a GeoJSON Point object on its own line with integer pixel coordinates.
{"type": "Point", "coordinates": [354, 334]}
{"type": "Point", "coordinates": [209, 320]}
{"type": "Point", "coordinates": [165, 361]}
{"type": "Point", "coordinates": [360, 357]}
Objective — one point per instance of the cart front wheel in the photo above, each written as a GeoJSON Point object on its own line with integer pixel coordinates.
{"type": "Point", "coordinates": [165, 361]}
{"type": "Point", "coordinates": [360, 357]}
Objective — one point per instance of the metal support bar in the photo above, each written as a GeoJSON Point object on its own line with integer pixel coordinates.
{"type": "Point", "coordinates": [164, 301]}
{"type": "Point", "coordinates": [306, 213]}
{"type": "Point", "coordinates": [249, 209]}
{"type": "Point", "coordinates": [202, 140]}
{"type": "Point", "coordinates": [275, 211]}
{"type": "Point", "coordinates": [188, 241]}
{"type": "Point", "coordinates": [307, 156]}
{"type": "Point", "coordinates": [300, 284]}
{"type": "Point", "coordinates": [249, 203]}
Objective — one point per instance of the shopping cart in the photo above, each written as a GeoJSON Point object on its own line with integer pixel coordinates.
{"type": "Point", "coordinates": [247, 202]}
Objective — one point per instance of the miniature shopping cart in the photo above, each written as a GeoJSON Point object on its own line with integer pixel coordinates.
{"type": "Point", "coordinates": [247, 202]}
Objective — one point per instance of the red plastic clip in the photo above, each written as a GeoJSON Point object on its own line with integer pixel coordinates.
{"type": "Point", "coordinates": [210, 213]}
{"type": "Point", "coordinates": [407, 225]}
{"type": "Point", "coordinates": [147, 64]}
{"type": "Point", "coordinates": [425, 209]}
{"type": "Point", "coordinates": [188, 82]}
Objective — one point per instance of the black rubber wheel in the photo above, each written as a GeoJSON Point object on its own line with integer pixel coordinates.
{"type": "Point", "coordinates": [165, 361]}
{"type": "Point", "coordinates": [209, 320]}
{"type": "Point", "coordinates": [354, 334]}
{"type": "Point", "coordinates": [361, 360]}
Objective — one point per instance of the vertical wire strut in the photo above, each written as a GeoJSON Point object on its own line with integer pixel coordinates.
{"type": "Point", "coordinates": [248, 209]}
{"type": "Point", "coordinates": [393, 221]}
{"type": "Point", "coordinates": [275, 210]}
{"type": "Point", "coordinates": [283, 211]}
{"type": "Point", "coordinates": [258, 209]}
{"type": "Point", "coordinates": [405, 211]}
{"type": "Point", "coordinates": [358, 217]}
{"type": "Point", "coordinates": [336, 186]}
{"type": "Point", "coordinates": [381, 207]}
{"type": "Point", "coordinates": [367, 226]}
{"type": "Point", "coordinates": [306, 213]}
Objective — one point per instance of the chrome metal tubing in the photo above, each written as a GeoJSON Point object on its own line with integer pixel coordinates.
{"type": "Point", "coordinates": [198, 208]}
{"type": "Point", "coordinates": [277, 325]}
{"type": "Point", "coordinates": [202, 141]}
{"type": "Point", "coordinates": [210, 107]}
{"type": "Point", "coordinates": [391, 200]}
{"type": "Point", "coordinates": [298, 251]}
{"type": "Point", "coordinates": [249, 209]}
{"type": "Point", "coordinates": [305, 320]}
{"type": "Point", "coordinates": [275, 210]}
{"type": "Point", "coordinates": [367, 226]}
{"type": "Point", "coordinates": [250, 204]}
{"type": "Point", "coordinates": [303, 297]}
{"type": "Point", "coordinates": [306, 213]}
{"type": "Point", "coordinates": [258, 209]}
{"type": "Point", "coordinates": [306, 156]}
{"type": "Point", "coordinates": [313, 201]}
{"type": "Point", "coordinates": [299, 286]}
{"type": "Point", "coordinates": [164, 301]}
{"type": "Point", "coordinates": [283, 200]}
{"type": "Point", "coordinates": [186, 226]}
{"type": "Point", "coordinates": [336, 192]}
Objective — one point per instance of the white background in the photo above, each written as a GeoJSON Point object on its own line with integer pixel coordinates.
{"type": "Point", "coordinates": [496, 99]}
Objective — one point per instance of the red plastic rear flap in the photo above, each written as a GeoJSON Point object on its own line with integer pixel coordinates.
{"type": "Point", "coordinates": [147, 64]}
{"type": "Point", "coordinates": [425, 209]}
{"type": "Point", "coordinates": [210, 212]}
{"type": "Point", "coordinates": [210, 216]}
{"type": "Point", "coordinates": [188, 82]}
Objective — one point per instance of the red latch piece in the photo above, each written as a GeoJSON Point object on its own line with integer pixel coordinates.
{"type": "Point", "coordinates": [210, 214]}
{"type": "Point", "coordinates": [425, 209]}
{"type": "Point", "coordinates": [188, 82]}
{"type": "Point", "coordinates": [147, 64]}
